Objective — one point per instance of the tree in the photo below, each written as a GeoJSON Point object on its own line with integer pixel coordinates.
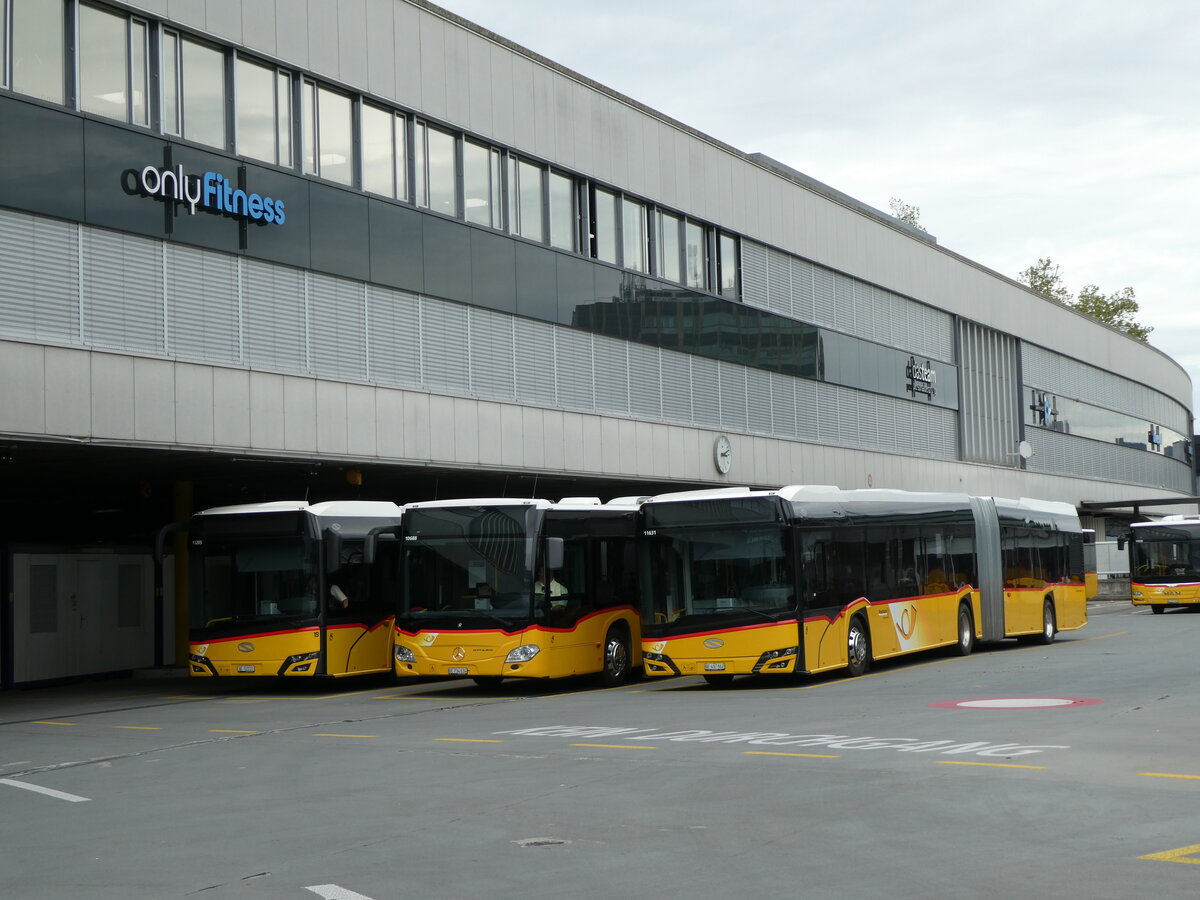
{"type": "Point", "coordinates": [906, 213]}
{"type": "Point", "coordinates": [1116, 309]}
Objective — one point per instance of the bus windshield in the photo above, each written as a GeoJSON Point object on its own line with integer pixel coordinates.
{"type": "Point", "coordinates": [696, 574]}
{"type": "Point", "coordinates": [244, 579]}
{"type": "Point", "coordinates": [1166, 554]}
{"type": "Point", "coordinates": [468, 562]}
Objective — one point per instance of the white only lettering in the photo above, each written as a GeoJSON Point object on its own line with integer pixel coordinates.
{"type": "Point", "coordinates": [782, 739]}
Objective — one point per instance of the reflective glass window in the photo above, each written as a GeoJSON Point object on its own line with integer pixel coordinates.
{"type": "Point", "coordinates": [529, 179]}
{"type": "Point", "coordinates": [562, 212]}
{"type": "Point", "coordinates": [668, 247]}
{"type": "Point", "coordinates": [695, 256]}
{"type": "Point", "coordinates": [379, 150]}
{"type": "Point", "coordinates": [139, 73]}
{"type": "Point", "coordinates": [727, 266]}
{"type": "Point", "coordinates": [633, 235]}
{"type": "Point", "coordinates": [335, 140]}
{"type": "Point", "coordinates": [203, 93]}
{"type": "Point", "coordinates": [170, 82]}
{"type": "Point", "coordinates": [37, 49]}
{"type": "Point", "coordinates": [3, 45]}
{"type": "Point", "coordinates": [309, 114]}
{"type": "Point", "coordinates": [102, 56]}
{"type": "Point", "coordinates": [481, 177]}
{"type": "Point", "coordinates": [604, 225]}
{"type": "Point", "coordinates": [255, 102]}
{"type": "Point", "coordinates": [442, 181]}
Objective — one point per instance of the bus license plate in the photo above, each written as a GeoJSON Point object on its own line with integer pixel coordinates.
{"type": "Point", "coordinates": [245, 668]}
{"type": "Point", "coordinates": [714, 667]}
{"type": "Point", "coordinates": [458, 670]}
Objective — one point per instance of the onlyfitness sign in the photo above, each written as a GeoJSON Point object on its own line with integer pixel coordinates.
{"type": "Point", "coordinates": [211, 193]}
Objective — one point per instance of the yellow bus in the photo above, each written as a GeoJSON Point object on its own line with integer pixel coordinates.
{"type": "Point", "coordinates": [281, 589]}
{"type": "Point", "coordinates": [1164, 563]}
{"type": "Point", "coordinates": [502, 588]}
{"type": "Point", "coordinates": [807, 579]}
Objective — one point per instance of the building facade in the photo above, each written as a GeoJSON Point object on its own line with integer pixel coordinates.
{"type": "Point", "coordinates": [378, 238]}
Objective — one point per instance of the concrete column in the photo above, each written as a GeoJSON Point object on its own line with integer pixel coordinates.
{"type": "Point", "coordinates": [181, 511]}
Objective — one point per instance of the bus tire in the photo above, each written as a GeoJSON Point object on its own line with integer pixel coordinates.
{"type": "Point", "coordinates": [719, 681]}
{"type": "Point", "coordinates": [1157, 608]}
{"type": "Point", "coordinates": [966, 631]}
{"type": "Point", "coordinates": [1046, 635]}
{"type": "Point", "coordinates": [617, 658]}
{"type": "Point", "coordinates": [858, 648]}
{"type": "Point", "coordinates": [488, 682]}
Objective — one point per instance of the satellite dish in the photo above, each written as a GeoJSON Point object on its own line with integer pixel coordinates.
{"type": "Point", "coordinates": [1024, 450]}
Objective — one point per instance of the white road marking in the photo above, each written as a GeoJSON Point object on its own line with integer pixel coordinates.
{"type": "Point", "coordinates": [335, 892]}
{"type": "Point", "coordinates": [49, 792]}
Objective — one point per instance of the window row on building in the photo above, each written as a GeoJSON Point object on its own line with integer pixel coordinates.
{"type": "Point", "coordinates": [220, 98]}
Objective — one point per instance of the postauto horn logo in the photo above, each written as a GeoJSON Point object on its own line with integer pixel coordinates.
{"type": "Point", "coordinates": [210, 192]}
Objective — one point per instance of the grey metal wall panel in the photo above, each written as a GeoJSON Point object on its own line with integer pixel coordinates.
{"type": "Point", "coordinates": [258, 25]}
{"type": "Point", "coordinates": [322, 27]}
{"type": "Point", "coordinates": [154, 401]}
{"type": "Point", "coordinates": [432, 100]}
{"type": "Point", "coordinates": [203, 314]}
{"type": "Point", "coordinates": [352, 41]}
{"type": "Point", "coordinates": [1058, 453]}
{"type": "Point", "coordinates": [480, 84]}
{"type": "Point", "coordinates": [224, 19]}
{"type": "Point", "coordinates": [122, 291]}
{"type": "Point", "coordinates": [68, 406]}
{"type": "Point", "coordinates": [380, 48]}
{"type": "Point", "coordinates": [458, 100]}
{"type": "Point", "coordinates": [291, 38]}
{"type": "Point", "coordinates": [407, 61]}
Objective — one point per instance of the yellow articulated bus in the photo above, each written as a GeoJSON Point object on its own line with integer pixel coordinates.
{"type": "Point", "coordinates": [1164, 563]}
{"type": "Point", "coordinates": [281, 589]}
{"type": "Point", "coordinates": [806, 579]}
{"type": "Point", "coordinates": [494, 589]}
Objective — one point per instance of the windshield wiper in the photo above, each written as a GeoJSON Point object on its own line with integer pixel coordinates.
{"type": "Point", "coordinates": [751, 609]}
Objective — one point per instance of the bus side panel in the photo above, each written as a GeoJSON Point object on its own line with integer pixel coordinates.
{"type": "Point", "coordinates": [579, 649]}
{"type": "Point", "coordinates": [915, 624]}
{"type": "Point", "coordinates": [1070, 606]}
{"type": "Point", "coordinates": [254, 654]}
{"type": "Point", "coordinates": [825, 640]}
{"type": "Point", "coordinates": [736, 650]}
{"type": "Point", "coordinates": [358, 650]}
{"type": "Point", "coordinates": [1023, 610]}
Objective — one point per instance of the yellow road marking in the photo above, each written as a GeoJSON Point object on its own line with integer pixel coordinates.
{"type": "Point", "coordinates": [801, 755]}
{"type": "Point", "coordinates": [229, 731]}
{"type": "Point", "coordinates": [963, 762]}
{"type": "Point", "coordinates": [67, 724]}
{"type": "Point", "coordinates": [138, 727]}
{"type": "Point", "coordinates": [347, 735]}
{"type": "Point", "coordinates": [468, 741]}
{"type": "Point", "coordinates": [1179, 856]}
{"type": "Point", "coordinates": [616, 746]}
{"type": "Point", "coordinates": [1168, 775]}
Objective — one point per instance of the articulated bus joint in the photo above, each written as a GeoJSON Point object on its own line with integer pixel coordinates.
{"type": "Point", "coordinates": [200, 665]}
{"type": "Point", "coordinates": [776, 660]}
{"type": "Point", "coordinates": [659, 662]}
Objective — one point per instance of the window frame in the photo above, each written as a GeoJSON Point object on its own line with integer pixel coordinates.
{"type": "Point", "coordinates": [279, 128]}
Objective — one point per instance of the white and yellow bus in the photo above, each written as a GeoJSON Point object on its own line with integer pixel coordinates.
{"type": "Point", "coordinates": [281, 589]}
{"type": "Point", "coordinates": [1164, 563]}
{"type": "Point", "coordinates": [502, 588]}
{"type": "Point", "coordinates": [807, 579]}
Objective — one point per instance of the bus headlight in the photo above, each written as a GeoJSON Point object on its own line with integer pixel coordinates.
{"type": "Point", "coordinates": [522, 654]}
{"type": "Point", "coordinates": [403, 654]}
{"type": "Point", "coordinates": [305, 658]}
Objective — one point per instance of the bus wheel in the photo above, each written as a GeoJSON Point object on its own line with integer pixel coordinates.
{"type": "Point", "coordinates": [719, 681]}
{"type": "Point", "coordinates": [487, 681]}
{"type": "Point", "coordinates": [1048, 630]}
{"type": "Point", "coordinates": [966, 631]}
{"type": "Point", "coordinates": [858, 645]}
{"type": "Point", "coordinates": [616, 658]}
{"type": "Point", "coordinates": [1157, 608]}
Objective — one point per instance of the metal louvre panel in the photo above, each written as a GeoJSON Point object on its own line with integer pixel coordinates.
{"type": "Point", "coordinates": [824, 297]}
{"type": "Point", "coordinates": [866, 316]}
{"type": "Point", "coordinates": [676, 386]}
{"type": "Point", "coordinates": [755, 290]}
{"type": "Point", "coordinates": [39, 268]}
{"type": "Point", "coordinates": [203, 315]}
{"type": "Point", "coordinates": [783, 404]}
{"type": "Point", "coordinates": [808, 408]}
{"type": "Point", "coordinates": [803, 290]}
{"type": "Point", "coordinates": [1060, 374]}
{"type": "Point", "coordinates": [645, 381]}
{"type": "Point", "coordinates": [843, 303]}
{"type": "Point", "coordinates": [1069, 455]}
{"type": "Point", "coordinates": [443, 326]}
{"type": "Point", "coordinates": [573, 369]}
{"type": "Point", "coordinates": [394, 337]}
{"type": "Point", "coordinates": [989, 394]}
{"type": "Point", "coordinates": [491, 354]}
{"type": "Point", "coordinates": [779, 283]}
{"type": "Point", "coordinates": [887, 430]}
{"type": "Point", "coordinates": [122, 292]}
{"type": "Point", "coordinates": [611, 364]}
{"type": "Point", "coordinates": [731, 382]}
{"type": "Point", "coordinates": [759, 406]}
{"type": "Point", "coordinates": [274, 317]}
{"type": "Point", "coordinates": [534, 365]}
{"type": "Point", "coordinates": [706, 392]}
{"type": "Point", "coordinates": [337, 328]}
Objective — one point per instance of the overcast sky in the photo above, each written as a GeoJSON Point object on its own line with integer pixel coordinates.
{"type": "Point", "coordinates": [1020, 128]}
